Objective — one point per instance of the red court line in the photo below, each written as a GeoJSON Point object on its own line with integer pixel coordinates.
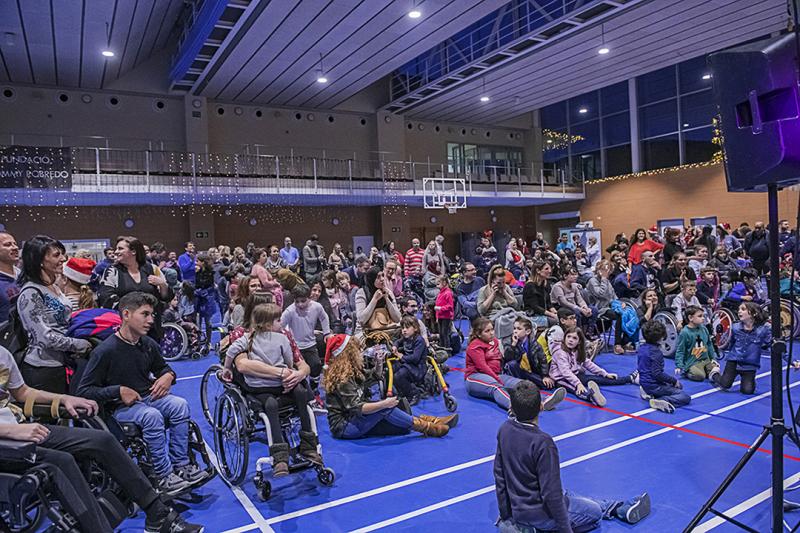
{"type": "Point", "coordinates": [677, 428]}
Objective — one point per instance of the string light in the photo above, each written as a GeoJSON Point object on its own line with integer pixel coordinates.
{"type": "Point", "coordinates": [556, 140]}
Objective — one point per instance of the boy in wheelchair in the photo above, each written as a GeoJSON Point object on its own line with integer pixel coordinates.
{"type": "Point", "coordinates": [58, 451]}
{"type": "Point", "coordinates": [267, 363]}
{"type": "Point", "coordinates": [118, 377]}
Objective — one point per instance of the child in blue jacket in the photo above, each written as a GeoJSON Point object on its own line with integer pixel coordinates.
{"type": "Point", "coordinates": [751, 340]}
{"type": "Point", "coordinates": [662, 390]}
{"type": "Point", "coordinates": [409, 374]}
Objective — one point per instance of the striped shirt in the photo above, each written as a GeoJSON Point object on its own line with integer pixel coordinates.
{"type": "Point", "coordinates": [413, 265]}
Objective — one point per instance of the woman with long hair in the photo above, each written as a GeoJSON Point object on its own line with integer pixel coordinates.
{"type": "Point", "coordinates": [132, 273]}
{"type": "Point", "coordinates": [260, 271]}
{"type": "Point", "coordinates": [376, 306]}
{"type": "Point", "coordinates": [536, 296]}
{"type": "Point", "coordinates": [247, 286]}
{"type": "Point", "coordinates": [641, 243]}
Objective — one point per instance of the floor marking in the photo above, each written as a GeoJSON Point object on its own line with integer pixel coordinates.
{"type": "Point", "coordinates": [191, 377]}
{"type": "Point", "coordinates": [455, 468]}
{"type": "Point", "coordinates": [738, 509]}
{"type": "Point", "coordinates": [258, 519]}
{"type": "Point", "coordinates": [564, 464]}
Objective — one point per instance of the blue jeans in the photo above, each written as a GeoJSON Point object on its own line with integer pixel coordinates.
{"type": "Point", "coordinates": [154, 417]}
{"type": "Point", "coordinates": [392, 421]}
{"type": "Point", "coordinates": [485, 386]}
{"type": "Point", "coordinates": [673, 395]}
{"type": "Point", "coordinates": [585, 514]}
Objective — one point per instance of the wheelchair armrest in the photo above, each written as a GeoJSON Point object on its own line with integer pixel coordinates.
{"type": "Point", "coordinates": [44, 411]}
{"type": "Point", "coordinates": [16, 450]}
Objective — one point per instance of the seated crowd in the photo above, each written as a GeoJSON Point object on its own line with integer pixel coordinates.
{"type": "Point", "coordinates": [299, 322]}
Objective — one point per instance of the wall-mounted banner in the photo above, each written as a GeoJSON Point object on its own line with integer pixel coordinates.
{"type": "Point", "coordinates": [35, 167]}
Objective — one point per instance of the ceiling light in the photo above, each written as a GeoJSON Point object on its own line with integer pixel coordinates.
{"type": "Point", "coordinates": [583, 110]}
{"type": "Point", "coordinates": [414, 14]}
{"type": "Point", "coordinates": [686, 125]}
{"type": "Point", "coordinates": [322, 79]}
{"type": "Point", "coordinates": [706, 76]}
{"type": "Point", "coordinates": [549, 141]}
{"type": "Point", "coordinates": [603, 51]}
{"type": "Point", "coordinates": [107, 53]}
{"type": "Point", "coordinates": [484, 98]}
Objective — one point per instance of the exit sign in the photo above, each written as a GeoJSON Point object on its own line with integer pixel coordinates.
{"type": "Point", "coordinates": [201, 235]}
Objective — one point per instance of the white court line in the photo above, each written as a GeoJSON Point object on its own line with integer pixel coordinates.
{"type": "Point", "coordinates": [736, 510]}
{"type": "Point", "coordinates": [582, 458]}
{"type": "Point", "coordinates": [258, 519]}
{"type": "Point", "coordinates": [191, 377]}
{"type": "Point", "coordinates": [456, 468]}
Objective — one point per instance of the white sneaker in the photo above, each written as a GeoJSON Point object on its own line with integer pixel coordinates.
{"type": "Point", "coordinates": [662, 405]}
{"type": "Point", "coordinates": [554, 399]}
{"type": "Point", "coordinates": [634, 377]}
{"type": "Point", "coordinates": [595, 395]}
{"type": "Point", "coordinates": [643, 395]}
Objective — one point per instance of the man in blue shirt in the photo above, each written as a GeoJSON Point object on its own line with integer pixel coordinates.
{"type": "Point", "coordinates": [290, 255]}
{"type": "Point", "coordinates": [563, 243]}
{"type": "Point", "coordinates": [187, 263]}
{"type": "Point", "coordinates": [101, 267]}
{"type": "Point", "coordinates": [9, 255]}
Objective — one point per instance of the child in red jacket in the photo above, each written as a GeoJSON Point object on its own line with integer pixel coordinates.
{"type": "Point", "coordinates": [482, 377]}
{"type": "Point", "coordinates": [445, 311]}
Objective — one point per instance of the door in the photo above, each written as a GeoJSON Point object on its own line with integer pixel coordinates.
{"type": "Point", "coordinates": [365, 242]}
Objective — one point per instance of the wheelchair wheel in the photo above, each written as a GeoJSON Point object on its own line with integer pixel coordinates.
{"type": "Point", "coordinates": [32, 519]}
{"type": "Point", "coordinates": [722, 321]}
{"type": "Point", "coordinates": [231, 440]}
{"type": "Point", "coordinates": [174, 343]}
{"type": "Point", "coordinates": [326, 476]}
{"type": "Point", "coordinates": [450, 403]}
{"type": "Point", "coordinates": [787, 316]}
{"type": "Point", "coordinates": [211, 388]}
{"type": "Point", "coordinates": [669, 345]}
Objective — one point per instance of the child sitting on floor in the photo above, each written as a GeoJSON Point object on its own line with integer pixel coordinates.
{"type": "Point", "coordinates": [525, 359]}
{"type": "Point", "coordinates": [482, 376]}
{"type": "Point", "coordinates": [410, 349]}
{"type": "Point", "coordinates": [527, 477]}
{"type": "Point", "coordinates": [751, 339]}
{"type": "Point", "coordinates": [663, 390]}
{"type": "Point", "coordinates": [581, 376]}
{"type": "Point", "coordinates": [695, 355]}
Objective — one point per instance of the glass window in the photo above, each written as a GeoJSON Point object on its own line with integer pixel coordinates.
{"type": "Point", "coordinates": [590, 132]}
{"type": "Point", "coordinates": [690, 74]}
{"type": "Point", "coordinates": [617, 129]}
{"type": "Point", "coordinates": [698, 146]}
{"type": "Point", "coordinates": [618, 160]}
{"type": "Point", "coordinates": [587, 166]}
{"type": "Point", "coordinates": [661, 152]}
{"type": "Point", "coordinates": [614, 98]}
{"type": "Point", "coordinates": [658, 119]}
{"type": "Point", "coordinates": [697, 110]}
{"type": "Point", "coordinates": [655, 86]}
{"type": "Point", "coordinates": [583, 108]}
{"type": "Point", "coordinates": [554, 117]}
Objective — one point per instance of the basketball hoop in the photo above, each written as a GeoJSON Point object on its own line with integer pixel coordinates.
{"type": "Point", "coordinates": [452, 207]}
{"type": "Point", "coordinates": [444, 192]}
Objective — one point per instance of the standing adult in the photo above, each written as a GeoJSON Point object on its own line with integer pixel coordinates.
{"type": "Point", "coordinates": [784, 232]}
{"type": "Point", "coordinates": [186, 261]}
{"type": "Point", "coordinates": [9, 256]}
{"type": "Point", "coordinates": [413, 262]}
{"type": "Point", "coordinates": [44, 311]}
{"type": "Point", "coordinates": [336, 261]}
{"type": "Point", "coordinates": [515, 259]}
{"type": "Point", "coordinates": [756, 245]}
{"type": "Point", "coordinates": [132, 273]}
{"type": "Point", "coordinates": [100, 268]}
{"type": "Point", "coordinates": [434, 253]}
{"type": "Point", "coordinates": [357, 271]}
{"type": "Point", "coordinates": [313, 258]}
{"type": "Point", "coordinates": [641, 243]}
{"type": "Point", "coordinates": [290, 255]}
{"type": "Point", "coordinates": [593, 254]}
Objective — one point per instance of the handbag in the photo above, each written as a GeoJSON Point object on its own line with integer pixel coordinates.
{"type": "Point", "coordinates": [380, 319]}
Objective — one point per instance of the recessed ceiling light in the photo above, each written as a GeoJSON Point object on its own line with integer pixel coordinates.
{"type": "Point", "coordinates": [583, 110]}
{"type": "Point", "coordinates": [686, 125]}
{"type": "Point", "coordinates": [706, 76]}
{"type": "Point", "coordinates": [484, 98]}
{"type": "Point", "coordinates": [603, 51]}
{"type": "Point", "coordinates": [107, 53]}
{"type": "Point", "coordinates": [414, 14]}
{"type": "Point", "coordinates": [322, 79]}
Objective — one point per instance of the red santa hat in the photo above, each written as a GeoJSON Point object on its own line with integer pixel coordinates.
{"type": "Point", "coordinates": [79, 270]}
{"type": "Point", "coordinates": [336, 345]}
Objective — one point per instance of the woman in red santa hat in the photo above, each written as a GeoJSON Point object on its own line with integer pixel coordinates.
{"type": "Point", "coordinates": [78, 272]}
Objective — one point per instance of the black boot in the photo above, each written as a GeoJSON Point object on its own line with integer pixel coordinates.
{"type": "Point", "coordinates": [280, 459]}
{"type": "Point", "coordinates": [308, 447]}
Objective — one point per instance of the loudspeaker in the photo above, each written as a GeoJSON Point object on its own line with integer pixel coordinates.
{"type": "Point", "coordinates": [757, 92]}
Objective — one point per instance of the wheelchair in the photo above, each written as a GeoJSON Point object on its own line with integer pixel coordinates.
{"type": "Point", "coordinates": [238, 417]}
{"type": "Point", "coordinates": [185, 339]}
{"type": "Point", "coordinates": [27, 494]}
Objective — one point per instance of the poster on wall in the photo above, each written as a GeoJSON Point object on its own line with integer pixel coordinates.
{"type": "Point", "coordinates": [35, 167]}
{"type": "Point", "coordinates": [583, 235]}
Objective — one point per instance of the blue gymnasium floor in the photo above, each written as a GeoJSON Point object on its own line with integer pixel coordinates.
{"type": "Point", "coordinates": [412, 483]}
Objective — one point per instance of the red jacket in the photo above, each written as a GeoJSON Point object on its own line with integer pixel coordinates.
{"type": "Point", "coordinates": [483, 358]}
{"type": "Point", "coordinates": [637, 249]}
{"type": "Point", "coordinates": [444, 300]}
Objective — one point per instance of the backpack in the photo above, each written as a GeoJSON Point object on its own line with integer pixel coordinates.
{"type": "Point", "coordinates": [13, 336]}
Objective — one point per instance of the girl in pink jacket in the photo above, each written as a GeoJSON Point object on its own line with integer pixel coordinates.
{"type": "Point", "coordinates": [445, 312]}
{"type": "Point", "coordinates": [581, 376]}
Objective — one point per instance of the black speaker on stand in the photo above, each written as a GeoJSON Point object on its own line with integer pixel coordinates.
{"type": "Point", "coordinates": [757, 92]}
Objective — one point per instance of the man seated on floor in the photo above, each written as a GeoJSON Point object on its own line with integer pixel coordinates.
{"type": "Point", "coordinates": [58, 448]}
{"type": "Point", "coordinates": [118, 376]}
{"type": "Point", "coordinates": [528, 478]}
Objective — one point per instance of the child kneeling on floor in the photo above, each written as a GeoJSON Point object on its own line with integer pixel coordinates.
{"type": "Point", "coordinates": [751, 339]}
{"type": "Point", "coordinates": [527, 478]}
{"type": "Point", "coordinates": [695, 356]}
{"type": "Point", "coordinates": [482, 377]}
{"type": "Point", "coordinates": [571, 369]}
{"type": "Point", "coordinates": [661, 389]}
